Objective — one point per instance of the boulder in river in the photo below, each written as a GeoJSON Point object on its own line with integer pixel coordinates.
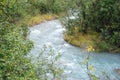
{"type": "Point", "coordinates": [118, 71]}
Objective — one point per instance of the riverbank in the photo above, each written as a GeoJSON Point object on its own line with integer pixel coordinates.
{"type": "Point", "coordinates": [91, 39]}
{"type": "Point", "coordinates": [78, 39]}
{"type": "Point", "coordinates": [39, 18]}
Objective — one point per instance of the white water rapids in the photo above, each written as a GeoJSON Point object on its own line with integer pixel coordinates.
{"type": "Point", "coordinates": [51, 33]}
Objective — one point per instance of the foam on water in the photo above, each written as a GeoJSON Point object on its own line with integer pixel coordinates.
{"type": "Point", "coordinates": [51, 33]}
{"type": "Point", "coordinates": [36, 32]}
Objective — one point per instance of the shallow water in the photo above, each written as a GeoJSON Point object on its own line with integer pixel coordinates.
{"type": "Point", "coordinates": [51, 33]}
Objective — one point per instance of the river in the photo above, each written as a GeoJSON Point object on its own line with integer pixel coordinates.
{"type": "Point", "coordinates": [51, 33]}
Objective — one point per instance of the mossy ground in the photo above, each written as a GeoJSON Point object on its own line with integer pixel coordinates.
{"type": "Point", "coordinates": [90, 39]}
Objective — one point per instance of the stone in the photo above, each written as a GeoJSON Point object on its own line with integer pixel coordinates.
{"type": "Point", "coordinates": [118, 71]}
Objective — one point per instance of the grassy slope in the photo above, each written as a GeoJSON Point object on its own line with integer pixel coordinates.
{"type": "Point", "coordinates": [37, 19]}
{"type": "Point", "coordinates": [41, 18]}
{"type": "Point", "coordinates": [91, 39]}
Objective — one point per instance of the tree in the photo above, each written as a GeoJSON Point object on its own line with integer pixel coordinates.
{"type": "Point", "coordinates": [14, 46]}
{"type": "Point", "coordinates": [104, 18]}
{"type": "Point", "coordinates": [101, 16]}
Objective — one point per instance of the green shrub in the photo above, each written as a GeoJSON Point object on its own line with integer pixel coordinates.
{"type": "Point", "coordinates": [14, 46]}
{"type": "Point", "coordinates": [104, 18]}
{"type": "Point", "coordinates": [14, 65]}
{"type": "Point", "coordinates": [57, 7]}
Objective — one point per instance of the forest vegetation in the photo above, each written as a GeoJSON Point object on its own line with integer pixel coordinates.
{"type": "Point", "coordinates": [97, 24]}
{"type": "Point", "coordinates": [15, 17]}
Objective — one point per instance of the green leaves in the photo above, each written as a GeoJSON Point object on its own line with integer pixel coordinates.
{"type": "Point", "coordinates": [101, 16]}
{"type": "Point", "coordinates": [14, 46]}
{"type": "Point", "coordinates": [13, 63]}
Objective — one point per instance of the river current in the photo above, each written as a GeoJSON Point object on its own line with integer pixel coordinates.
{"type": "Point", "coordinates": [51, 33]}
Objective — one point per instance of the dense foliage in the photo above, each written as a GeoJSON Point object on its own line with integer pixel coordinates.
{"type": "Point", "coordinates": [104, 18]}
{"type": "Point", "coordinates": [14, 44]}
{"type": "Point", "coordinates": [101, 16]}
